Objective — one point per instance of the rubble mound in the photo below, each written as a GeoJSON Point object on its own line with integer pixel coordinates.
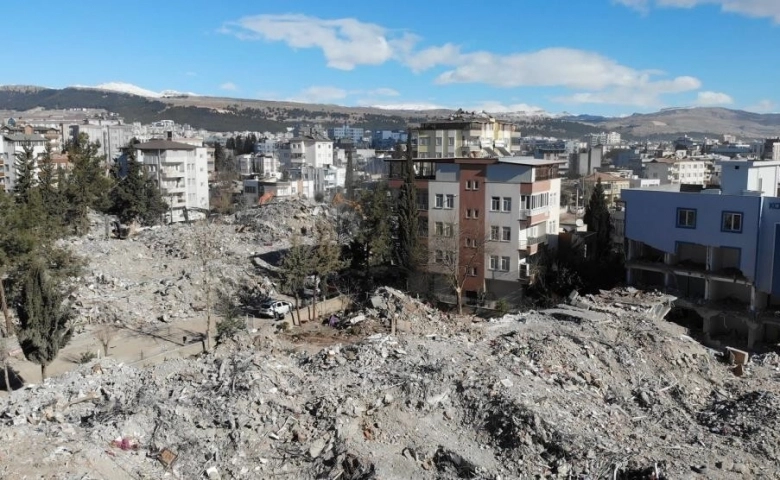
{"type": "Point", "coordinates": [280, 219]}
{"type": "Point", "coordinates": [618, 393]}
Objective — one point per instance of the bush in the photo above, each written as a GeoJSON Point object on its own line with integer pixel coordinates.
{"type": "Point", "coordinates": [502, 307]}
{"type": "Point", "coordinates": [87, 357]}
{"type": "Point", "coordinates": [229, 328]}
{"type": "Point", "coordinates": [319, 197]}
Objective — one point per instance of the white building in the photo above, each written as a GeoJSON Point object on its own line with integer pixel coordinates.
{"type": "Point", "coordinates": [673, 170]}
{"type": "Point", "coordinates": [313, 150]}
{"type": "Point", "coordinates": [10, 146]}
{"type": "Point", "coordinates": [181, 171]}
{"type": "Point", "coordinates": [112, 138]}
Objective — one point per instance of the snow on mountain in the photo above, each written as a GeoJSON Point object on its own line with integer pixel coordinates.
{"type": "Point", "coordinates": [123, 87]}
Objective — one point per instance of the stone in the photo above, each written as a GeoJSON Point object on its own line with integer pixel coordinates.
{"type": "Point", "coordinates": [316, 448]}
{"type": "Point", "coordinates": [212, 473]}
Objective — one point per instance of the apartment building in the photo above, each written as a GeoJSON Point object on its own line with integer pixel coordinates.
{"type": "Point", "coordinates": [12, 144]}
{"type": "Point", "coordinates": [688, 171]}
{"type": "Point", "coordinates": [611, 183]}
{"type": "Point", "coordinates": [352, 133]}
{"type": "Point", "coordinates": [313, 149]}
{"type": "Point", "coordinates": [181, 171]}
{"type": "Point", "coordinates": [719, 247]}
{"type": "Point", "coordinates": [501, 209]}
{"type": "Point", "coordinates": [112, 137]}
{"type": "Point", "coordinates": [464, 137]}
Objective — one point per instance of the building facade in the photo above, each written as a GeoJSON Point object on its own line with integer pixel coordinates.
{"type": "Point", "coordinates": [718, 247]}
{"type": "Point", "coordinates": [181, 171]}
{"type": "Point", "coordinates": [462, 137]}
{"type": "Point", "coordinates": [484, 219]}
{"type": "Point", "coordinates": [11, 145]}
{"type": "Point", "coordinates": [679, 171]}
{"type": "Point", "coordinates": [112, 138]}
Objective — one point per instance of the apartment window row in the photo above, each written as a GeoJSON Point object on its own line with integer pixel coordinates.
{"type": "Point", "coordinates": [422, 200]}
{"type": "Point", "coordinates": [499, 263]}
{"type": "Point", "coordinates": [444, 201]}
{"type": "Point", "coordinates": [500, 234]}
{"type": "Point", "coordinates": [532, 202]}
{"type": "Point", "coordinates": [444, 256]}
{"type": "Point", "coordinates": [472, 184]}
{"type": "Point", "coordinates": [501, 204]}
{"type": "Point", "coordinates": [442, 229]}
{"type": "Point", "coordinates": [730, 221]}
{"type": "Point", "coordinates": [472, 213]}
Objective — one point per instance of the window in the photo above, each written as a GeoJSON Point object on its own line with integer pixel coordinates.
{"type": "Point", "coordinates": [506, 204]}
{"type": "Point", "coordinates": [422, 200]}
{"type": "Point", "coordinates": [686, 218]}
{"type": "Point", "coordinates": [504, 264]}
{"type": "Point", "coordinates": [438, 201]}
{"type": "Point", "coordinates": [472, 185]}
{"type": "Point", "coordinates": [451, 141]}
{"type": "Point", "coordinates": [438, 229]}
{"type": "Point", "coordinates": [494, 262]}
{"type": "Point", "coordinates": [472, 271]}
{"type": "Point", "coordinates": [732, 222]}
{"type": "Point", "coordinates": [439, 256]}
{"type": "Point", "coordinates": [448, 230]}
{"type": "Point", "coordinates": [495, 203]}
{"type": "Point", "coordinates": [476, 213]}
{"type": "Point", "coordinates": [471, 243]}
{"type": "Point", "coordinates": [449, 257]}
{"type": "Point", "coordinates": [506, 234]}
{"type": "Point", "coordinates": [438, 141]}
{"type": "Point", "coordinates": [438, 154]}
{"type": "Point", "coordinates": [450, 202]}
{"type": "Point", "coordinates": [422, 227]}
{"type": "Point", "coordinates": [423, 141]}
{"type": "Point", "coordinates": [468, 213]}
{"type": "Point", "coordinates": [494, 232]}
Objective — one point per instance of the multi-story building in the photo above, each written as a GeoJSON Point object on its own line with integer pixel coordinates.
{"type": "Point", "coordinates": [11, 145]}
{"type": "Point", "coordinates": [610, 182]}
{"type": "Point", "coordinates": [461, 136]}
{"type": "Point", "coordinates": [353, 133]}
{"type": "Point", "coordinates": [313, 149]}
{"type": "Point", "coordinates": [487, 217]}
{"type": "Point", "coordinates": [112, 137]}
{"type": "Point", "coordinates": [688, 171]}
{"type": "Point", "coordinates": [717, 246]}
{"type": "Point", "coordinates": [603, 138]}
{"type": "Point", "coordinates": [181, 171]}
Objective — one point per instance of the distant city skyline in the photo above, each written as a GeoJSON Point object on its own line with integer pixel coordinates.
{"type": "Point", "coordinates": [603, 57]}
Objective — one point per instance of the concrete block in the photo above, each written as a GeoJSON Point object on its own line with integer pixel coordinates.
{"type": "Point", "coordinates": [736, 356]}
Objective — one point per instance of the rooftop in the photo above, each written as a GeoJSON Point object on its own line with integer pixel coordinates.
{"type": "Point", "coordinates": [20, 137]}
{"type": "Point", "coordinates": [159, 144]}
{"type": "Point", "coordinates": [530, 161]}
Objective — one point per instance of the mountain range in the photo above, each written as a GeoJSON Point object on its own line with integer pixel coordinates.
{"type": "Point", "coordinates": [136, 104]}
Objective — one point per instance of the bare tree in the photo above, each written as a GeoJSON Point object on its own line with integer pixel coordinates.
{"type": "Point", "coordinates": [105, 335]}
{"type": "Point", "coordinates": [207, 244]}
{"type": "Point", "coordinates": [456, 252]}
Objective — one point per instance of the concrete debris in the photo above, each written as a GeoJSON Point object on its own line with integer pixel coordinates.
{"type": "Point", "coordinates": [614, 394]}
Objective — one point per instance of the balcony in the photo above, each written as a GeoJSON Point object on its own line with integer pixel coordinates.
{"type": "Point", "coordinates": [525, 243]}
{"type": "Point", "coordinates": [171, 173]}
{"type": "Point", "coordinates": [172, 190]}
{"type": "Point", "coordinates": [526, 214]}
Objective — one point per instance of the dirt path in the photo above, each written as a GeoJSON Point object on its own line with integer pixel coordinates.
{"type": "Point", "coordinates": [142, 346]}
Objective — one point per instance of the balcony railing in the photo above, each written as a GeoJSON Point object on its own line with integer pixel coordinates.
{"type": "Point", "coordinates": [525, 213]}
{"type": "Point", "coordinates": [531, 241]}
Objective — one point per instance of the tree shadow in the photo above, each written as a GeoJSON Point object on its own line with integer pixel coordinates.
{"type": "Point", "coordinates": [16, 380]}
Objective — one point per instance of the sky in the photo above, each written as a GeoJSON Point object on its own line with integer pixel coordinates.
{"type": "Point", "coordinates": [600, 57]}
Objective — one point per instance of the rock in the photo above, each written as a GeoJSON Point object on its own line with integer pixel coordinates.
{"type": "Point", "coordinates": [213, 473]}
{"type": "Point", "coordinates": [316, 448]}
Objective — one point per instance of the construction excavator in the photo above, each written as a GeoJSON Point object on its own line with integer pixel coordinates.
{"type": "Point", "coordinates": [339, 199]}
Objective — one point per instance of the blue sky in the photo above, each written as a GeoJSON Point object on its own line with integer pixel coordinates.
{"type": "Point", "coordinates": [609, 57]}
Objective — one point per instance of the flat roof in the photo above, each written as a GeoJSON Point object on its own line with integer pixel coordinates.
{"type": "Point", "coordinates": [530, 161]}
{"type": "Point", "coordinates": [158, 144]}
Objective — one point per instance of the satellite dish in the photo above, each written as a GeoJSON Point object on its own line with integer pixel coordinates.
{"type": "Point", "coordinates": [579, 223]}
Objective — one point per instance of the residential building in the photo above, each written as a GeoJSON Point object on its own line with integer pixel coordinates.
{"type": "Point", "coordinates": [610, 182]}
{"type": "Point", "coordinates": [355, 134]}
{"type": "Point", "coordinates": [464, 136]}
{"type": "Point", "coordinates": [12, 144]}
{"type": "Point", "coordinates": [312, 149]}
{"type": "Point", "coordinates": [689, 171]}
{"type": "Point", "coordinates": [603, 138]}
{"type": "Point", "coordinates": [503, 208]}
{"type": "Point", "coordinates": [588, 161]}
{"type": "Point", "coordinates": [771, 150]}
{"type": "Point", "coordinates": [181, 171]}
{"type": "Point", "coordinates": [717, 246]}
{"type": "Point", "coordinates": [112, 137]}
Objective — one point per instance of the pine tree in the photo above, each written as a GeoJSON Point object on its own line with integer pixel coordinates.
{"type": "Point", "coordinates": [407, 253]}
{"type": "Point", "coordinates": [249, 144]}
{"type": "Point", "coordinates": [44, 322]}
{"type": "Point", "coordinates": [373, 239]}
{"type": "Point", "coordinates": [219, 157]}
{"type": "Point", "coordinates": [597, 219]}
{"type": "Point", "coordinates": [136, 196]}
{"type": "Point", "coordinates": [25, 174]}
{"type": "Point", "coordinates": [296, 266]}
{"type": "Point", "coordinates": [326, 257]}
{"type": "Point", "coordinates": [88, 184]}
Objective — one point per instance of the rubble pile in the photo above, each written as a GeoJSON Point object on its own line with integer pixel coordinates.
{"type": "Point", "coordinates": [591, 390]}
{"type": "Point", "coordinates": [281, 219]}
{"type": "Point", "coordinates": [157, 274]}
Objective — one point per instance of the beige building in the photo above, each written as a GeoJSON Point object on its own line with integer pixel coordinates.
{"type": "Point", "coordinates": [611, 183]}
{"type": "Point", "coordinates": [464, 137]}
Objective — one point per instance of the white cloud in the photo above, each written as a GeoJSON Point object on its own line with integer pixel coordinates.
{"type": "Point", "coordinates": [750, 8]}
{"type": "Point", "coordinates": [763, 106]}
{"type": "Point", "coordinates": [230, 86]}
{"type": "Point", "coordinates": [345, 42]}
{"type": "Point", "coordinates": [643, 94]}
{"type": "Point", "coordinates": [498, 107]}
{"type": "Point", "coordinates": [407, 106]}
{"type": "Point", "coordinates": [708, 98]}
{"type": "Point", "coordinates": [384, 92]}
{"type": "Point", "coordinates": [320, 94]}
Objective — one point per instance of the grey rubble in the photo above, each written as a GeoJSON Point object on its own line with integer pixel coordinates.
{"type": "Point", "coordinates": [597, 390]}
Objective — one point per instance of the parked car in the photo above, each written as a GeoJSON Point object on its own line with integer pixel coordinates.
{"type": "Point", "coordinates": [275, 308]}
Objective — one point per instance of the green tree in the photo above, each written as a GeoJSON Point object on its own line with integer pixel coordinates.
{"type": "Point", "coordinates": [44, 321]}
{"type": "Point", "coordinates": [597, 219]}
{"type": "Point", "coordinates": [326, 258]}
{"type": "Point", "coordinates": [220, 158]}
{"type": "Point", "coordinates": [373, 240]}
{"type": "Point", "coordinates": [407, 254]}
{"type": "Point", "coordinates": [136, 196]}
{"type": "Point", "coordinates": [296, 266]}
{"type": "Point", "coordinates": [88, 184]}
{"type": "Point", "coordinates": [25, 174]}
